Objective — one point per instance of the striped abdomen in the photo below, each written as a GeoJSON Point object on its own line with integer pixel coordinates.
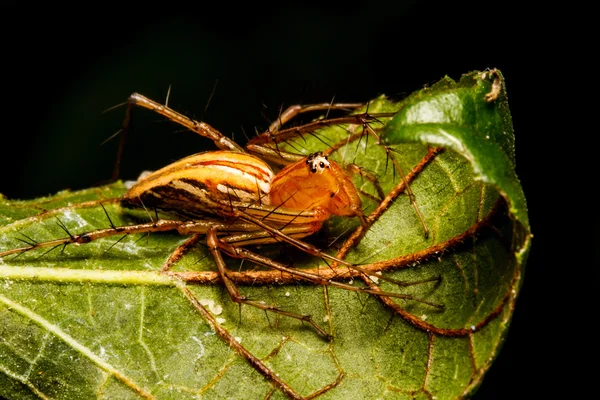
{"type": "Point", "coordinates": [204, 183]}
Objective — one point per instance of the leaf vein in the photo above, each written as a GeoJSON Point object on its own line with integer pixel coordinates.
{"type": "Point", "coordinates": [71, 341]}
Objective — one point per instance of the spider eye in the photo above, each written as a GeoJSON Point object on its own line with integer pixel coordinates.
{"type": "Point", "coordinates": [313, 170]}
{"type": "Point", "coordinates": [322, 164]}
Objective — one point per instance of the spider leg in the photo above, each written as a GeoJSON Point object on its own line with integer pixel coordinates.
{"type": "Point", "coordinates": [245, 254]}
{"type": "Point", "coordinates": [243, 230]}
{"type": "Point", "coordinates": [214, 246]}
{"type": "Point", "coordinates": [265, 232]}
{"type": "Point", "coordinates": [282, 135]}
{"type": "Point", "coordinates": [354, 169]}
{"type": "Point", "coordinates": [411, 196]}
{"type": "Point", "coordinates": [266, 143]}
{"type": "Point", "coordinates": [256, 231]}
{"type": "Point", "coordinates": [201, 128]}
{"type": "Point", "coordinates": [367, 129]}
{"type": "Point", "coordinates": [162, 225]}
{"type": "Point", "coordinates": [295, 110]}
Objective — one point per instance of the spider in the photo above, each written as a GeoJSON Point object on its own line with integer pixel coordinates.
{"type": "Point", "coordinates": [233, 197]}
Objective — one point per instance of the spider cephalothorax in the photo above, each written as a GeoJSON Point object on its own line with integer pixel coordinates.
{"type": "Point", "coordinates": [323, 186]}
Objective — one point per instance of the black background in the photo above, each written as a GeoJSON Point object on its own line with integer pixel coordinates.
{"type": "Point", "coordinates": [61, 71]}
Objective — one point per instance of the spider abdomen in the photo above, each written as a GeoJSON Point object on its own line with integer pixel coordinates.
{"type": "Point", "coordinates": [204, 183]}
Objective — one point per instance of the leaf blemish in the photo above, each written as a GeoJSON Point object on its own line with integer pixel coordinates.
{"type": "Point", "coordinates": [216, 309]}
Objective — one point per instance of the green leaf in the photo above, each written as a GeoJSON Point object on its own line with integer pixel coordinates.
{"type": "Point", "coordinates": [101, 321]}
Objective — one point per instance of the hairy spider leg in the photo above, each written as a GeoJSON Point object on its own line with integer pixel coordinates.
{"type": "Point", "coordinates": [216, 245]}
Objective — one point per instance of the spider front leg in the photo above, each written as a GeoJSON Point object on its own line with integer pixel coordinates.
{"type": "Point", "coordinates": [295, 110]}
{"type": "Point", "coordinates": [266, 144]}
{"type": "Point", "coordinates": [285, 135]}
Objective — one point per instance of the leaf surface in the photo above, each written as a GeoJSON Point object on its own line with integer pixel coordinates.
{"type": "Point", "coordinates": [101, 321]}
